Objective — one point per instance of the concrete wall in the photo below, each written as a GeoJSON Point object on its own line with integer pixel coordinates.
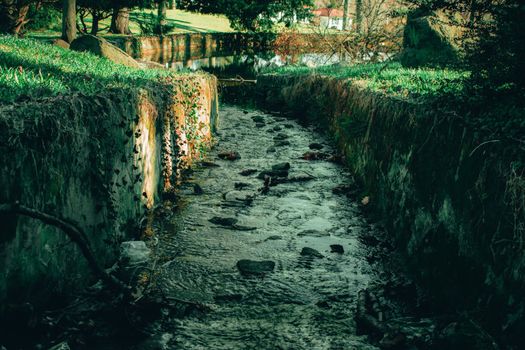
{"type": "Point", "coordinates": [100, 161]}
{"type": "Point", "coordinates": [183, 47]}
{"type": "Point", "coordinates": [451, 202]}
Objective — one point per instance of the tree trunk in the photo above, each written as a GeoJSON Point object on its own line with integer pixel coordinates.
{"type": "Point", "coordinates": [172, 5]}
{"type": "Point", "coordinates": [346, 14]}
{"type": "Point", "coordinates": [94, 24]}
{"type": "Point", "coordinates": [120, 21]}
{"type": "Point", "coordinates": [358, 15]}
{"type": "Point", "coordinates": [69, 20]}
{"type": "Point", "coordinates": [12, 16]}
{"type": "Point", "coordinates": [162, 16]}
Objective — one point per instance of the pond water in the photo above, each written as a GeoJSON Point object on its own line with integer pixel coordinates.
{"type": "Point", "coordinates": [247, 65]}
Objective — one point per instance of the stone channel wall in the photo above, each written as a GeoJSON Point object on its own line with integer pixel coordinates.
{"type": "Point", "coordinates": [451, 202]}
{"type": "Point", "coordinates": [183, 47]}
{"type": "Point", "coordinates": [99, 161]}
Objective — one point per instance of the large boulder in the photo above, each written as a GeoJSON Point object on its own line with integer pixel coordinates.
{"type": "Point", "coordinates": [103, 48]}
{"type": "Point", "coordinates": [431, 39]}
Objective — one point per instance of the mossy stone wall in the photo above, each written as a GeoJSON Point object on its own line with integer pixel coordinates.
{"type": "Point", "coordinates": [441, 193]}
{"type": "Point", "coordinates": [100, 161]}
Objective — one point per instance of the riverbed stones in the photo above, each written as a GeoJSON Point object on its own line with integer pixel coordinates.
{"type": "Point", "coordinates": [277, 170]}
{"type": "Point", "coordinates": [248, 172]}
{"type": "Point", "coordinates": [197, 189]}
{"type": "Point", "coordinates": [316, 146]}
{"type": "Point", "coordinates": [313, 233]}
{"type": "Point", "coordinates": [282, 143]}
{"type": "Point", "coordinates": [311, 252]}
{"type": "Point", "coordinates": [134, 253]}
{"type": "Point", "coordinates": [337, 248]}
{"type": "Point", "coordinates": [207, 164]}
{"type": "Point", "coordinates": [274, 238]}
{"type": "Point", "coordinates": [256, 268]}
{"type": "Point", "coordinates": [241, 185]}
{"type": "Point", "coordinates": [228, 222]}
{"type": "Point", "coordinates": [258, 119]}
{"type": "Point", "coordinates": [229, 155]}
{"type": "Point", "coordinates": [280, 136]}
{"type": "Point", "coordinates": [315, 155]}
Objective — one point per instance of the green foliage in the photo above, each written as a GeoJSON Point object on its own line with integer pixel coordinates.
{"type": "Point", "coordinates": [45, 17]}
{"type": "Point", "coordinates": [260, 15]}
{"type": "Point", "coordinates": [392, 79]}
{"type": "Point", "coordinates": [150, 23]}
{"type": "Point", "coordinates": [32, 69]}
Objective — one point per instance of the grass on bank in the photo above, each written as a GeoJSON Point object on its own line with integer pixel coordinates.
{"type": "Point", "coordinates": [392, 78]}
{"type": "Point", "coordinates": [32, 69]}
{"type": "Point", "coordinates": [182, 22]}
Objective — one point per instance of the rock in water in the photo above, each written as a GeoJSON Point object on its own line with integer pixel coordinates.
{"type": "Point", "coordinates": [278, 170]}
{"type": "Point", "coordinates": [248, 172]}
{"type": "Point", "coordinates": [230, 155]}
{"type": "Point", "coordinates": [197, 189]}
{"type": "Point", "coordinates": [281, 167]}
{"type": "Point", "coordinates": [311, 252]}
{"type": "Point", "coordinates": [252, 267]}
{"type": "Point", "coordinates": [337, 248]}
{"type": "Point", "coordinates": [258, 119]}
{"type": "Point", "coordinates": [282, 143]}
{"type": "Point", "coordinates": [316, 146]}
{"type": "Point", "coordinates": [134, 253]}
{"type": "Point", "coordinates": [103, 48]}
{"type": "Point", "coordinates": [223, 221]}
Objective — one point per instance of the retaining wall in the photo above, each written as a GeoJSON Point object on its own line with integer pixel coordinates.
{"type": "Point", "coordinates": [98, 161]}
{"type": "Point", "coordinates": [451, 201]}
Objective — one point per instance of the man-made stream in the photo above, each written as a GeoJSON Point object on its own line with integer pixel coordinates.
{"type": "Point", "coordinates": [269, 245]}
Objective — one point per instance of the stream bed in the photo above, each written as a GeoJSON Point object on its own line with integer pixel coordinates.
{"type": "Point", "coordinates": [266, 244]}
{"type": "Point", "coordinates": [267, 239]}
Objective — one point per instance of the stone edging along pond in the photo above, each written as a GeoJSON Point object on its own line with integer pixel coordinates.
{"type": "Point", "coordinates": [443, 198]}
{"type": "Point", "coordinates": [100, 161]}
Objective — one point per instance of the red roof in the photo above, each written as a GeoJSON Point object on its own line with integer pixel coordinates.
{"type": "Point", "coordinates": [326, 12]}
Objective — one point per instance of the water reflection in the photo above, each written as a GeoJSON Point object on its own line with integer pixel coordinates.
{"type": "Point", "coordinates": [248, 65]}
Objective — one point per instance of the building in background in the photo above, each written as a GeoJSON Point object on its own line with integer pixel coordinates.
{"type": "Point", "coordinates": [329, 18]}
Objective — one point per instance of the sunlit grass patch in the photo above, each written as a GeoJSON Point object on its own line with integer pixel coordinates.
{"type": "Point", "coordinates": [391, 78]}
{"type": "Point", "coordinates": [32, 69]}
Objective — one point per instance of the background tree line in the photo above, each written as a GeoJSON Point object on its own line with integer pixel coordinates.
{"type": "Point", "coordinates": [15, 14]}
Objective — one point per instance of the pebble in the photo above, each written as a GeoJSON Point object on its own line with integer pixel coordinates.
{"type": "Point", "coordinates": [248, 172]}
{"type": "Point", "coordinates": [311, 252]}
{"type": "Point", "coordinates": [252, 267]}
{"type": "Point", "coordinates": [337, 248]}
{"type": "Point", "coordinates": [223, 221]}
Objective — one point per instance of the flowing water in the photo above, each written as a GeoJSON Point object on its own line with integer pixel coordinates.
{"type": "Point", "coordinates": [307, 299]}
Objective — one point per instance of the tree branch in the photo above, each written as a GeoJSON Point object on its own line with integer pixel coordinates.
{"type": "Point", "coordinates": [75, 234]}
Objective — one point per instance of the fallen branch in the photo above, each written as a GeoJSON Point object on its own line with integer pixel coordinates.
{"type": "Point", "coordinates": [74, 233]}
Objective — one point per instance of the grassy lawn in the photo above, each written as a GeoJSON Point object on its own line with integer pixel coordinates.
{"type": "Point", "coordinates": [392, 79]}
{"type": "Point", "coordinates": [32, 69]}
{"type": "Point", "coordinates": [183, 22]}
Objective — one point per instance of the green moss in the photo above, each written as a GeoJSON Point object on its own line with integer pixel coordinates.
{"type": "Point", "coordinates": [392, 79]}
